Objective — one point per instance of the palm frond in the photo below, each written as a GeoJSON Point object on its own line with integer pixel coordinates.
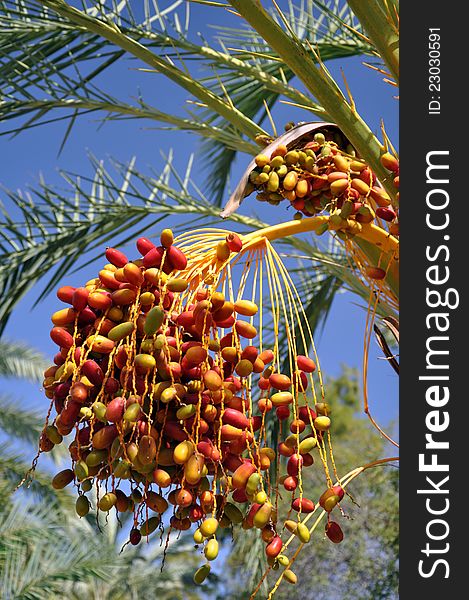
{"type": "Point", "coordinates": [318, 303]}
{"type": "Point", "coordinates": [334, 263]}
{"type": "Point", "coordinates": [13, 468]}
{"type": "Point", "coordinates": [21, 361]}
{"type": "Point", "coordinates": [379, 21]}
{"type": "Point", "coordinates": [174, 582]}
{"type": "Point", "coordinates": [315, 21]}
{"type": "Point", "coordinates": [117, 110]}
{"type": "Point", "coordinates": [14, 526]}
{"type": "Point", "coordinates": [59, 75]}
{"type": "Point", "coordinates": [96, 23]}
{"type": "Point", "coordinates": [18, 422]}
{"type": "Point", "coordinates": [247, 559]}
{"type": "Point", "coordinates": [45, 554]}
{"type": "Point", "coordinates": [52, 554]}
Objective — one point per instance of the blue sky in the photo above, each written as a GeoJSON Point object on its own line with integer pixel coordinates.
{"type": "Point", "coordinates": [36, 151]}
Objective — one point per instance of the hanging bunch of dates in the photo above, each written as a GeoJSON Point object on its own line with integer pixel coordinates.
{"type": "Point", "coordinates": [315, 170]}
{"type": "Point", "coordinates": [163, 386]}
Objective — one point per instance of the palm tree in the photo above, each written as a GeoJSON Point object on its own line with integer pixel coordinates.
{"type": "Point", "coordinates": [280, 55]}
{"type": "Point", "coordinates": [235, 101]}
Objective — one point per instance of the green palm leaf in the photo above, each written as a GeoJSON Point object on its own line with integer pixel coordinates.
{"type": "Point", "coordinates": [13, 468]}
{"type": "Point", "coordinates": [248, 77]}
{"type": "Point", "coordinates": [21, 361]}
{"type": "Point", "coordinates": [17, 422]}
{"type": "Point", "coordinates": [45, 554]}
{"type": "Point", "coordinates": [39, 555]}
